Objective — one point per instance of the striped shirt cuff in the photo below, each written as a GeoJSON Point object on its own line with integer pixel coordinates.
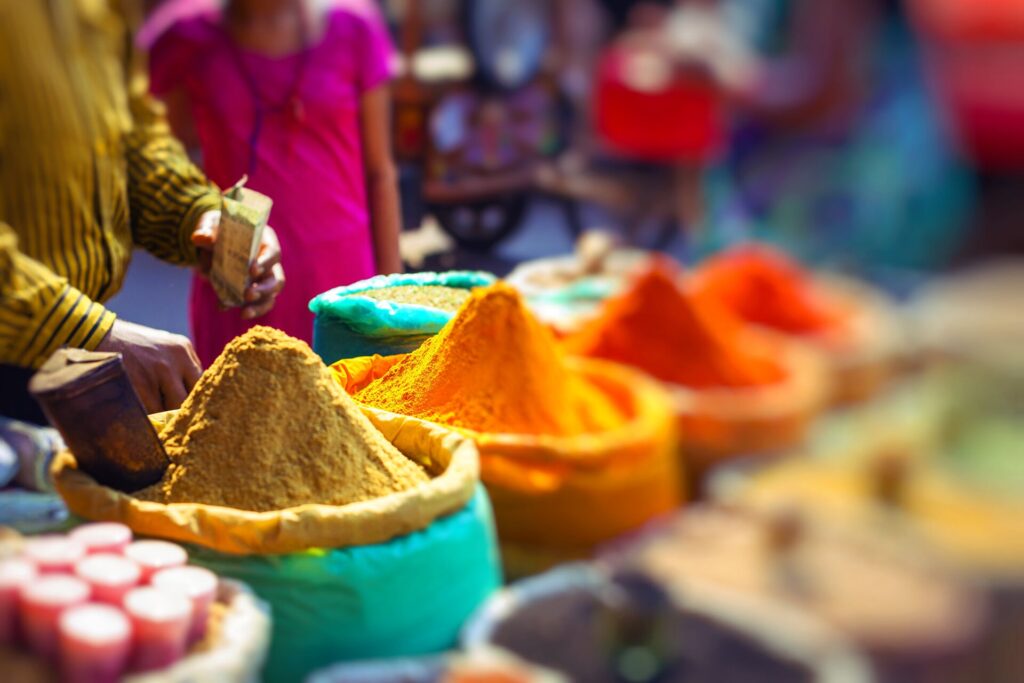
{"type": "Point", "coordinates": [72, 319]}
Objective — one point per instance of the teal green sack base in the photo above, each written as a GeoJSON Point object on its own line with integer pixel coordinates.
{"type": "Point", "coordinates": [409, 596]}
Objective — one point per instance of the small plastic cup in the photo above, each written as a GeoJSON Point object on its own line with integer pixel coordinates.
{"type": "Point", "coordinates": [42, 602]}
{"type": "Point", "coordinates": [109, 576]}
{"type": "Point", "coordinates": [152, 556]}
{"type": "Point", "coordinates": [15, 573]}
{"type": "Point", "coordinates": [103, 537]}
{"type": "Point", "coordinates": [53, 554]}
{"type": "Point", "coordinates": [95, 644]}
{"type": "Point", "coordinates": [199, 586]}
{"type": "Point", "coordinates": [160, 621]}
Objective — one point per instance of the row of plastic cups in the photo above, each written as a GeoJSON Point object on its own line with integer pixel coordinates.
{"type": "Point", "coordinates": [97, 614]}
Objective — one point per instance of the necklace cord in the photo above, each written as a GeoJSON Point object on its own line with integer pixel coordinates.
{"type": "Point", "coordinates": [261, 106]}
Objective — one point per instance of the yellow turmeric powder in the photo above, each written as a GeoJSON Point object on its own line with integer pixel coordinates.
{"type": "Point", "coordinates": [268, 428]}
{"type": "Point", "coordinates": [494, 368]}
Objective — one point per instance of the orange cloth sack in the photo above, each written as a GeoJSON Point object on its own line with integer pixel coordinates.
{"type": "Point", "coordinates": [573, 452]}
{"type": "Point", "coordinates": [736, 390]}
{"type": "Point", "coordinates": [852, 324]}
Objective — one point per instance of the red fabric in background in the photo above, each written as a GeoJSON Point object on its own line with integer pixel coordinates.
{"type": "Point", "coordinates": [682, 122]}
{"type": "Point", "coordinates": [975, 59]}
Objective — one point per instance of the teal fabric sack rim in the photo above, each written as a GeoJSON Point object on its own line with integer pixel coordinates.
{"type": "Point", "coordinates": [376, 318]}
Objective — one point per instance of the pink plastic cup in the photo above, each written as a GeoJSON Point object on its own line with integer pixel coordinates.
{"type": "Point", "coordinates": [152, 556]}
{"type": "Point", "coordinates": [42, 602]}
{"type": "Point", "coordinates": [15, 573]}
{"type": "Point", "coordinates": [109, 576]}
{"type": "Point", "coordinates": [53, 554]}
{"type": "Point", "coordinates": [199, 586]}
{"type": "Point", "coordinates": [95, 644]}
{"type": "Point", "coordinates": [103, 537]}
{"type": "Point", "coordinates": [160, 621]}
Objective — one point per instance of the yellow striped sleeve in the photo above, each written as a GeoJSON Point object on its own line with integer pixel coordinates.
{"type": "Point", "coordinates": [166, 192]}
{"type": "Point", "coordinates": [40, 311]}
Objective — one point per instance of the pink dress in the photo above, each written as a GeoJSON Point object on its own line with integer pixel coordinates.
{"type": "Point", "coordinates": [307, 156]}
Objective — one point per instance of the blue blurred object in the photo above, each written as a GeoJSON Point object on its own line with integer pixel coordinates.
{"type": "Point", "coordinates": [8, 463]}
{"type": "Point", "coordinates": [34, 448]}
{"type": "Point", "coordinates": [30, 512]}
{"type": "Point", "coordinates": [508, 39]}
{"type": "Point", "coordinates": [26, 450]}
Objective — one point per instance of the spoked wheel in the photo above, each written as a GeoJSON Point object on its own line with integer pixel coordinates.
{"type": "Point", "coordinates": [482, 224]}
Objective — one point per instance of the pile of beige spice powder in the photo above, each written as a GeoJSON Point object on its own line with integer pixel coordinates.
{"type": "Point", "coordinates": [267, 427]}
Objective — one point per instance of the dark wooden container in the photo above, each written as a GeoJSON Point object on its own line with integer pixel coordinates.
{"type": "Point", "coordinates": [88, 397]}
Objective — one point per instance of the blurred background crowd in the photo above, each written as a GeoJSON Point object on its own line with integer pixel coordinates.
{"type": "Point", "coordinates": [879, 137]}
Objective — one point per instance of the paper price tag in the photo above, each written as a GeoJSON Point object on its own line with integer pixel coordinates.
{"type": "Point", "coordinates": [244, 214]}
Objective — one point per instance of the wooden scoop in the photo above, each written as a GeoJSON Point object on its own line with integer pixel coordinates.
{"type": "Point", "coordinates": [88, 397]}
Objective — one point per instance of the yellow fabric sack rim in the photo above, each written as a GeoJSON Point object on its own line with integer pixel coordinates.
{"type": "Point", "coordinates": [648, 412]}
{"type": "Point", "coordinates": [453, 459]}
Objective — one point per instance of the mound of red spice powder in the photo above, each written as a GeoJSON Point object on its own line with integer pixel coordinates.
{"type": "Point", "coordinates": [764, 287]}
{"type": "Point", "coordinates": [655, 325]}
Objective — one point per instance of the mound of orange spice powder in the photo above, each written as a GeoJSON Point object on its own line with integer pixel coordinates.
{"type": "Point", "coordinates": [494, 368]}
{"type": "Point", "coordinates": [765, 287]}
{"type": "Point", "coordinates": [656, 326]}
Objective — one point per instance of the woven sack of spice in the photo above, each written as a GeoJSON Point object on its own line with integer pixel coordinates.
{"type": "Point", "coordinates": [854, 325]}
{"type": "Point", "coordinates": [388, 314]}
{"type": "Point", "coordinates": [450, 457]}
{"type": "Point", "coordinates": [563, 291]}
{"type": "Point", "coordinates": [404, 597]}
{"type": "Point", "coordinates": [949, 509]}
{"type": "Point", "coordinates": [342, 581]}
{"type": "Point", "coordinates": [586, 621]}
{"type": "Point", "coordinates": [723, 423]}
{"type": "Point", "coordinates": [861, 370]}
{"type": "Point", "coordinates": [558, 497]}
{"type": "Point", "coordinates": [737, 391]}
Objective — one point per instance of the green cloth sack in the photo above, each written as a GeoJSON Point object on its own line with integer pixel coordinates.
{"type": "Point", "coordinates": [408, 596]}
{"type": "Point", "coordinates": [348, 326]}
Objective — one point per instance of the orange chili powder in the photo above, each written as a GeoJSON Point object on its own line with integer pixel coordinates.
{"type": "Point", "coordinates": [495, 368]}
{"type": "Point", "coordinates": [656, 326]}
{"type": "Point", "coordinates": [764, 287]}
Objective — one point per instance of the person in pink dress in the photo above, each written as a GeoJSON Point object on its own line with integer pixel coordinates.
{"type": "Point", "coordinates": [294, 95]}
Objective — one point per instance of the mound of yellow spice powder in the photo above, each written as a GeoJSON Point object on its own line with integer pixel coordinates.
{"type": "Point", "coordinates": [494, 368]}
{"type": "Point", "coordinates": [266, 428]}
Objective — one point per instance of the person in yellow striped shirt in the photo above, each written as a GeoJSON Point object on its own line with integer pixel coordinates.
{"type": "Point", "coordinates": [88, 170]}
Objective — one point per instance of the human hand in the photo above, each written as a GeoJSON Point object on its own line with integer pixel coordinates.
{"type": "Point", "coordinates": [267, 277]}
{"type": "Point", "coordinates": [162, 366]}
{"type": "Point", "coordinates": [266, 271]}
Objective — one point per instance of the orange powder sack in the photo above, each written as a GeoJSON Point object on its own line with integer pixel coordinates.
{"type": "Point", "coordinates": [656, 326]}
{"type": "Point", "coordinates": [494, 368]}
{"type": "Point", "coordinates": [764, 287]}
